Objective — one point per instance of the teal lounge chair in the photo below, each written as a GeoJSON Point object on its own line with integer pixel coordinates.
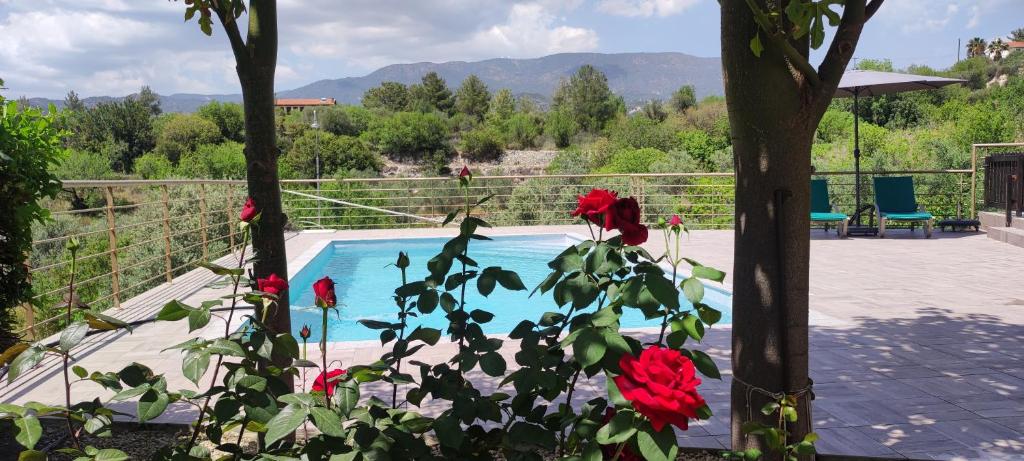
{"type": "Point", "coordinates": [894, 201]}
{"type": "Point", "coordinates": [822, 210]}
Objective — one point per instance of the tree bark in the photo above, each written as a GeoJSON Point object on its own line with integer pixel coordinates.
{"type": "Point", "coordinates": [771, 134]}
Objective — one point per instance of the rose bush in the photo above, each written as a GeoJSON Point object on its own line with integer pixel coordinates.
{"type": "Point", "coordinates": [652, 383]}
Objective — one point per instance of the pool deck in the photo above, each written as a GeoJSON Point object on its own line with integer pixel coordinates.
{"type": "Point", "coordinates": [914, 353]}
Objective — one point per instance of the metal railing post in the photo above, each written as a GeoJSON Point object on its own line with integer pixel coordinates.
{"type": "Point", "coordinates": [202, 220]}
{"type": "Point", "coordinates": [229, 211]}
{"type": "Point", "coordinates": [112, 247]}
{"type": "Point", "coordinates": [167, 233]}
{"type": "Point", "coordinates": [974, 182]}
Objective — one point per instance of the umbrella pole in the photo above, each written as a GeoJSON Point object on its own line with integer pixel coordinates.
{"type": "Point", "coordinates": [856, 154]}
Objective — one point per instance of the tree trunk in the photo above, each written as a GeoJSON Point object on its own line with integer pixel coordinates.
{"type": "Point", "coordinates": [772, 127]}
{"type": "Point", "coordinates": [256, 65]}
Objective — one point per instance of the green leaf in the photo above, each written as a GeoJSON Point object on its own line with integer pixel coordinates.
{"type": "Point", "coordinates": [693, 327]}
{"type": "Point", "coordinates": [568, 261]}
{"type": "Point", "coordinates": [589, 347]}
{"type": "Point", "coordinates": [693, 289]}
{"type": "Point", "coordinates": [486, 282]}
{"type": "Point", "coordinates": [427, 301]}
{"type": "Point", "coordinates": [327, 421]}
{"type": "Point", "coordinates": [708, 314]}
{"type": "Point", "coordinates": [7, 409]}
{"type": "Point", "coordinates": [658, 446]}
{"type": "Point", "coordinates": [376, 324]}
{"type": "Point", "coordinates": [105, 322]}
{"type": "Point", "coordinates": [708, 273]}
{"type": "Point", "coordinates": [24, 361]}
{"type": "Point", "coordinates": [110, 454]}
{"type": "Point", "coordinates": [604, 317]}
{"type": "Point", "coordinates": [756, 46]}
{"type": "Point", "coordinates": [79, 371]}
{"type": "Point", "coordinates": [223, 346]}
{"type": "Point", "coordinates": [663, 290]}
{"type": "Point", "coordinates": [284, 423]}
{"type": "Point", "coordinates": [427, 335]}
{"type": "Point", "coordinates": [152, 404]}
{"type": "Point", "coordinates": [493, 364]}
{"type": "Point", "coordinates": [480, 316]}
{"type": "Point", "coordinates": [198, 319]}
{"type": "Point", "coordinates": [619, 429]}
{"type": "Point", "coordinates": [346, 395]}
{"type": "Point", "coordinates": [220, 270]}
{"type": "Point", "coordinates": [31, 455]}
{"type": "Point", "coordinates": [448, 430]}
{"type": "Point", "coordinates": [174, 310]}
{"type": "Point", "coordinates": [72, 335]}
{"type": "Point", "coordinates": [705, 365]}
{"type": "Point", "coordinates": [27, 431]}
{"type": "Point", "coordinates": [510, 280]}
{"type": "Point", "coordinates": [195, 364]}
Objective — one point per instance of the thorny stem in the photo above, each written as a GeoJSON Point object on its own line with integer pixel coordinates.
{"type": "Point", "coordinates": [65, 355]}
{"type": "Point", "coordinates": [462, 291]}
{"type": "Point", "coordinates": [236, 281]}
{"type": "Point", "coordinates": [241, 431]}
{"type": "Point", "coordinates": [401, 336]}
{"type": "Point", "coordinates": [675, 269]}
{"type": "Point", "coordinates": [618, 451]}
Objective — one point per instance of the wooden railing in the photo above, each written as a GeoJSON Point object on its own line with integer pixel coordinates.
{"type": "Point", "coordinates": [138, 234]}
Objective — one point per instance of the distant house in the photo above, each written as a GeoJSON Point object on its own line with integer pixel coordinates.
{"type": "Point", "coordinates": [1016, 45]}
{"type": "Point", "coordinates": [300, 104]}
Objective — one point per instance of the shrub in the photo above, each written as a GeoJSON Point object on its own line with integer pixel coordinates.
{"type": "Point", "coordinates": [31, 145]}
{"type": "Point", "coordinates": [633, 161]}
{"type": "Point", "coordinates": [153, 166]}
{"type": "Point", "coordinates": [214, 161]}
{"type": "Point", "coordinates": [560, 126]}
{"type": "Point", "coordinates": [482, 144]}
{"type": "Point", "coordinates": [409, 134]}
{"type": "Point", "coordinates": [641, 132]}
{"type": "Point", "coordinates": [573, 160]}
{"type": "Point", "coordinates": [338, 154]}
{"type": "Point", "coordinates": [77, 164]}
{"type": "Point", "coordinates": [228, 117]}
{"type": "Point", "coordinates": [836, 125]}
{"type": "Point", "coordinates": [522, 131]}
{"type": "Point", "coordinates": [684, 98]}
{"type": "Point", "coordinates": [654, 110]}
{"type": "Point", "coordinates": [181, 133]}
{"type": "Point", "coordinates": [345, 120]}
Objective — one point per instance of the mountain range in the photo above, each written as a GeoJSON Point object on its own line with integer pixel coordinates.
{"type": "Point", "coordinates": [637, 77]}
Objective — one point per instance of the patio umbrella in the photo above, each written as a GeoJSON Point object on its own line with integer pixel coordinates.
{"type": "Point", "coordinates": [857, 83]}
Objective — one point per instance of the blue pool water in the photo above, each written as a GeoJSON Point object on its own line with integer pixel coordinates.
{"type": "Point", "coordinates": [365, 284]}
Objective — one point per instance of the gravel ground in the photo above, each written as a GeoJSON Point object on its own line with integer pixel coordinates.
{"type": "Point", "coordinates": [513, 162]}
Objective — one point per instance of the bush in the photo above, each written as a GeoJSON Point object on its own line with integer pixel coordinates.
{"type": "Point", "coordinates": [522, 131]}
{"type": "Point", "coordinates": [641, 132]}
{"type": "Point", "coordinates": [571, 161]}
{"type": "Point", "coordinates": [31, 145]}
{"type": "Point", "coordinates": [76, 164]}
{"type": "Point", "coordinates": [836, 125]}
{"type": "Point", "coordinates": [409, 134]}
{"type": "Point", "coordinates": [561, 126]}
{"type": "Point", "coordinates": [153, 166]}
{"type": "Point", "coordinates": [633, 161]}
{"type": "Point", "coordinates": [181, 133]}
{"type": "Point", "coordinates": [338, 154]}
{"type": "Point", "coordinates": [482, 144]}
{"type": "Point", "coordinates": [228, 117]}
{"type": "Point", "coordinates": [214, 161]}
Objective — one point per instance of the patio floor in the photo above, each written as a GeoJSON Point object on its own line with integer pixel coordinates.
{"type": "Point", "coordinates": [915, 352]}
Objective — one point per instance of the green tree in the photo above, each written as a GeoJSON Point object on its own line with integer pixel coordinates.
{"type": "Point", "coordinates": [228, 116]}
{"type": "Point", "coordinates": [586, 95]}
{"type": "Point", "coordinates": [684, 98]}
{"type": "Point", "coordinates": [522, 130]}
{"type": "Point", "coordinates": [152, 165]}
{"type": "Point", "coordinates": [776, 98]}
{"type": "Point", "coordinates": [31, 144]}
{"type": "Point", "coordinates": [432, 94]}
{"type": "Point", "coordinates": [409, 134]}
{"type": "Point", "coordinates": [472, 98]}
{"type": "Point", "coordinates": [561, 126]}
{"type": "Point", "coordinates": [1017, 35]}
{"type": "Point", "coordinates": [654, 110]}
{"type": "Point", "coordinates": [72, 103]}
{"type": "Point", "coordinates": [181, 133]}
{"type": "Point", "coordinates": [390, 96]}
{"type": "Point", "coordinates": [976, 47]}
{"type": "Point", "coordinates": [338, 154]}
{"type": "Point", "coordinates": [148, 98]}
{"type": "Point", "coordinates": [996, 48]}
{"type": "Point", "coordinates": [502, 106]}
{"type": "Point", "coordinates": [128, 122]}
{"type": "Point", "coordinates": [482, 144]}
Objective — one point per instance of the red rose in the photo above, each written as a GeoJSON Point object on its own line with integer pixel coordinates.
{"type": "Point", "coordinates": [593, 205]}
{"type": "Point", "coordinates": [304, 333]}
{"type": "Point", "coordinates": [248, 210]}
{"type": "Point", "coordinates": [465, 172]}
{"type": "Point", "coordinates": [624, 215]}
{"type": "Point", "coordinates": [609, 450]}
{"type": "Point", "coordinates": [675, 221]}
{"type": "Point", "coordinates": [273, 284]}
{"type": "Point", "coordinates": [661, 385]}
{"type": "Point", "coordinates": [324, 291]}
{"type": "Point", "coordinates": [331, 382]}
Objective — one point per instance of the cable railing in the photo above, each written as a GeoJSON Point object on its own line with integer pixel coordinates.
{"type": "Point", "coordinates": [136, 235]}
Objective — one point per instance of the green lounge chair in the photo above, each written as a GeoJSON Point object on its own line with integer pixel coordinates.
{"type": "Point", "coordinates": [823, 211]}
{"type": "Point", "coordinates": [894, 201]}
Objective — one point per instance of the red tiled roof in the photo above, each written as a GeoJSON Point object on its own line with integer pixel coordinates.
{"type": "Point", "coordinates": [294, 102]}
{"type": "Point", "coordinates": [1015, 44]}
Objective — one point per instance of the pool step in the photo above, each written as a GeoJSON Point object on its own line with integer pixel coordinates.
{"type": "Point", "coordinates": [1012, 235]}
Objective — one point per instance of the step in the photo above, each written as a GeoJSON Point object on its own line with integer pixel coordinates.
{"type": "Point", "coordinates": [1012, 235]}
{"type": "Point", "coordinates": [991, 219]}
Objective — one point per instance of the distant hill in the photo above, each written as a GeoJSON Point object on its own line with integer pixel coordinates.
{"type": "Point", "coordinates": [636, 77]}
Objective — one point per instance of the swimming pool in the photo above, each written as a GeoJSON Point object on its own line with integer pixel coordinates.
{"type": "Point", "coordinates": [365, 283]}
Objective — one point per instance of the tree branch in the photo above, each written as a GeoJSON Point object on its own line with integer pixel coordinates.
{"type": "Point", "coordinates": [844, 43]}
{"type": "Point", "coordinates": [872, 7]}
{"type": "Point", "coordinates": [795, 58]}
{"type": "Point", "coordinates": [230, 24]}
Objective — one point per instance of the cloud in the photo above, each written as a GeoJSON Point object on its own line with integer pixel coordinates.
{"type": "Point", "coordinates": [644, 8]}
